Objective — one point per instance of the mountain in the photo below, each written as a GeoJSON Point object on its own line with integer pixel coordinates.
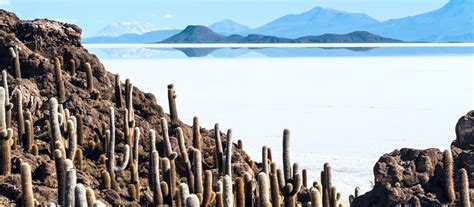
{"type": "Point", "coordinates": [455, 19]}
{"type": "Point", "coordinates": [202, 34]}
{"type": "Point", "coordinates": [117, 29]}
{"type": "Point", "coordinates": [148, 37]}
{"type": "Point", "coordinates": [314, 22]}
{"type": "Point", "coordinates": [228, 27]}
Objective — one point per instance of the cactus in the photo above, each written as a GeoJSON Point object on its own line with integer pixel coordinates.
{"type": "Point", "coordinates": [448, 182]}
{"type": "Point", "coordinates": [111, 152]}
{"type": "Point", "coordinates": [98, 204]}
{"type": "Point", "coordinates": [126, 129]}
{"type": "Point", "coordinates": [248, 189]}
{"type": "Point", "coordinates": [169, 178]}
{"type": "Point", "coordinates": [16, 60]}
{"type": "Point", "coordinates": [192, 201]}
{"type": "Point", "coordinates": [219, 200]}
{"type": "Point", "coordinates": [132, 191]}
{"type": "Point", "coordinates": [219, 151]}
{"type": "Point", "coordinates": [61, 93]}
{"type": "Point", "coordinates": [129, 99]}
{"type": "Point", "coordinates": [5, 138]}
{"type": "Point", "coordinates": [228, 196]}
{"type": "Point", "coordinates": [118, 92]}
{"type": "Point", "coordinates": [70, 184]}
{"type": "Point", "coordinates": [315, 198]}
{"type": "Point", "coordinates": [19, 115]}
{"type": "Point", "coordinates": [275, 189]}
{"type": "Point", "coordinates": [263, 186]}
{"type": "Point", "coordinates": [134, 165]}
{"type": "Point", "coordinates": [240, 145]}
{"type": "Point", "coordinates": [305, 178]}
{"type": "Point", "coordinates": [184, 156]}
{"type": "Point", "coordinates": [228, 156]}
{"type": "Point", "coordinates": [333, 197]}
{"type": "Point", "coordinates": [51, 204]}
{"type": "Point", "coordinates": [72, 139]}
{"type": "Point", "coordinates": [356, 192]}
{"type": "Point", "coordinates": [290, 183]}
{"type": "Point", "coordinates": [197, 163]}
{"type": "Point", "coordinates": [55, 128]}
{"type": "Point", "coordinates": [27, 198]}
{"type": "Point", "coordinates": [105, 182]}
{"type": "Point", "coordinates": [197, 138]}
{"type": "Point", "coordinates": [80, 196]}
{"type": "Point", "coordinates": [172, 105]}
{"type": "Point", "coordinates": [60, 173]}
{"type": "Point", "coordinates": [7, 105]}
{"type": "Point", "coordinates": [80, 129]}
{"type": "Point", "coordinates": [464, 191]}
{"type": "Point", "coordinates": [265, 168]}
{"type": "Point", "coordinates": [239, 192]}
{"type": "Point", "coordinates": [208, 196]}
{"type": "Point", "coordinates": [183, 193]}
{"type": "Point", "coordinates": [90, 196]}
{"type": "Point", "coordinates": [72, 67]}
{"type": "Point", "coordinates": [35, 150]}
{"type": "Point", "coordinates": [327, 184]}
{"type": "Point", "coordinates": [28, 141]}
{"type": "Point", "coordinates": [89, 77]}
{"type": "Point", "coordinates": [155, 181]}
{"type": "Point", "coordinates": [166, 137]}
{"type": "Point", "coordinates": [79, 159]}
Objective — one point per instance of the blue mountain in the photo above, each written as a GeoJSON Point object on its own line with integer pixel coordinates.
{"type": "Point", "coordinates": [148, 37]}
{"type": "Point", "coordinates": [228, 27]}
{"type": "Point", "coordinates": [452, 22]}
{"type": "Point", "coordinates": [315, 22]}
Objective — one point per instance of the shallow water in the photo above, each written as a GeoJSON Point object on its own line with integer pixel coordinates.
{"type": "Point", "coordinates": [346, 110]}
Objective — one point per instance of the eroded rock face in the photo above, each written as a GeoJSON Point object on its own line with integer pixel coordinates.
{"type": "Point", "coordinates": [39, 42]}
{"type": "Point", "coordinates": [406, 175]}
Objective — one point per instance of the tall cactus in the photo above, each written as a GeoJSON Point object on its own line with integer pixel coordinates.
{"type": "Point", "coordinates": [19, 116]}
{"type": "Point", "coordinates": [239, 191]}
{"type": "Point", "coordinates": [72, 67]}
{"type": "Point", "coordinates": [315, 198]}
{"type": "Point", "coordinates": [8, 106]}
{"type": "Point", "coordinates": [172, 105]}
{"type": "Point", "coordinates": [197, 138]}
{"type": "Point", "coordinates": [265, 168]}
{"type": "Point", "coordinates": [72, 139]}
{"type": "Point", "coordinates": [61, 93]}
{"type": "Point", "coordinates": [228, 196]}
{"type": "Point", "coordinates": [111, 152]}
{"type": "Point", "coordinates": [264, 187]}
{"type": "Point", "coordinates": [55, 128]}
{"type": "Point", "coordinates": [184, 157]}
{"type": "Point", "coordinates": [192, 201]}
{"type": "Point", "coordinates": [129, 98]}
{"type": "Point", "coordinates": [169, 175]}
{"type": "Point", "coordinates": [208, 196]}
{"type": "Point", "coordinates": [27, 198]}
{"type": "Point", "coordinates": [219, 151]}
{"type": "Point", "coordinates": [448, 182]}
{"type": "Point", "coordinates": [118, 91]}
{"type": "Point", "coordinates": [286, 154]}
{"type": "Point", "coordinates": [105, 182]}
{"type": "Point", "coordinates": [183, 193]}
{"type": "Point", "coordinates": [80, 129]}
{"type": "Point", "coordinates": [15, 56]}
{"type": "Point", "coordinates": [464, 191]}
{"type": "Point", "coordinates": [248, 189]}
{"type": "Point", "coordinates": [155, 181]}
{"type": "Point", "coordinates": [228, 156]}
{"type": "Point", "coordinates": [60, 174]}
{"type": "Point", "coordinates": [5, 138]}
{"type": "Point", "coordinates": [166, 137]}
{"type": "Point", "coordinates": [197, 160]}
{"type": "Point", "coordinates": [70, 184]}
{"type": "Point", "coordinates": [292, 181]}
{"type": "Point", "coordinates": [90, 196]}
{"type": "Point", "coordinates": [89, 77]}
{"type": "Point", "coordinates": [275, 189]}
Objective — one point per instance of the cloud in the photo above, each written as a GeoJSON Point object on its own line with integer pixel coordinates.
{"type": "Point", "coordinates": [4, 2]}
{"type": "Point", "coordinates": [167, 15]}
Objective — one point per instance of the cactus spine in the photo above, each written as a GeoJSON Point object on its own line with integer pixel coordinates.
{"type": "Point", "coordinates": [172, 105]}
{"type": "Point", "coordinates": [448, 176]}
{"type": "Point", "coordinates": [197, 138]}
{"type": "Point", "coordinates": [16, 60]}
{"type": "Point", "coordinates": [228, 196]}
{"type": "Point", "coordinates": [80, 197]}
{"type": "Point", "coordinates": [61, 93]}
{"type": "Point", "coordinates": [228, 156]}
{"type": "Point", "coordinates": [27, 199]}
{"type": "Point", "coordinates": [118, 92]}
{"type": "Point", "coordinates": [5, 138]}
{"type": "Point", "coordinates": [264, 195]}
{"type": "Point", "coordinates": [464, 191]}
{"type": "Point", "coordinates": [219, 151]}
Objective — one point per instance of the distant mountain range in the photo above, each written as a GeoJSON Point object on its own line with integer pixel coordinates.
{"type": "Point", "coordinates": [117, 29]}
{"type": "Point", "coordinates": [228, 27]}
{"type": "Point", "coordinates": [454, 22]}
{"type": "Point", "coordinates": [202, 34]}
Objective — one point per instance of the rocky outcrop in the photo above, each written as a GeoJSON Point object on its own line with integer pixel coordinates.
{"type": "Point", "coordinates": [39, 42]}
{"type": "Point", "coordinates": [410, 176]}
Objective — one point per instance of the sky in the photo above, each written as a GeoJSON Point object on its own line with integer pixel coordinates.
{"type": "Point", "coordinates": [93, 15]}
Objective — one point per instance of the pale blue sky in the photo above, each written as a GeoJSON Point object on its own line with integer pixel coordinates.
{"type": "Point", "coordinates": [92, 15]}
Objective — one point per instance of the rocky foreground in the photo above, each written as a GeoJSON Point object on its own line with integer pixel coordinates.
{"type": "Point", "coordinates": [72, 134]}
